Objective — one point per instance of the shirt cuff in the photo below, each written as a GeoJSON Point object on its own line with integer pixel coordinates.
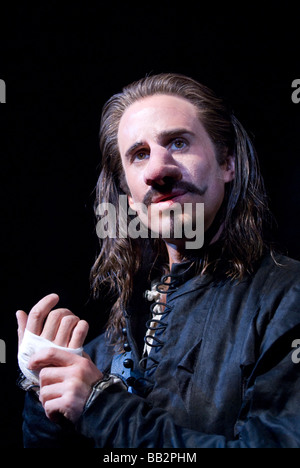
{"type": "Point", "coordinates": [100, 385]}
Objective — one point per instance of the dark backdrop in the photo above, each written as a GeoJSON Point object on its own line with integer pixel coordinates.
{"type": "Point", "coordinates": [60, 64]}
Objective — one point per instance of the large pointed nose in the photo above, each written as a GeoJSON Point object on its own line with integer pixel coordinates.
{"type": "Point", "coordinates": [161, 167]}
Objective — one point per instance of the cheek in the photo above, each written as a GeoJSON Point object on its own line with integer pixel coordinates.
{"type": "Point", "coordinates": [123, 183]}
{"type": "Point", "coordinates": [215, 193]}
{"type": "Point", "coordinates": [136, 190]}
{"type": "Point", "coordinates": [212, 177]}
{"type": "Point", "coordinates": [136, 193]}
{"type": "Point", "coordinates": [128, 181]}
{"type": "Point", "coordinates": [201, 174]}
{"type": "Point", "coordinates": [213, 200]}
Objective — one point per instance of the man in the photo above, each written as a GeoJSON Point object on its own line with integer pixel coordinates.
{"type": "Point", "coordinates": [212, 364]}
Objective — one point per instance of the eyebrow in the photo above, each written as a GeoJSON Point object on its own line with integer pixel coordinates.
{"type": "Point", "coordinates": [132, 148]}
{"type": "Point", "coordinates": [173, 133]}
{"type": "Point", "coordinates": [161, 136]}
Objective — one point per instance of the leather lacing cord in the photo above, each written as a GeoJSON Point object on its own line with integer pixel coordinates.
{"type": "Point", "coordinates": [159, 311]}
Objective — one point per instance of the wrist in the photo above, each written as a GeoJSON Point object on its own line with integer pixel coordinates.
{"type": "Point", "coordinates": [106, 381]}
{"type": "Point", "coordinates": [27, 385]}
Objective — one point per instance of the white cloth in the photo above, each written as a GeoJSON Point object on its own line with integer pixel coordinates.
{"type": "Point", "coordinates": [30, 345]}
{"type": "Point", "coordinates": [152, 295]}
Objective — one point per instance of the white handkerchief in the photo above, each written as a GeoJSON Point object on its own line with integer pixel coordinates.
{"type": "Point", "coordinates": [31, 344]}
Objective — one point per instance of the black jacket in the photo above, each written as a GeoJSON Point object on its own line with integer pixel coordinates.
{"type": "Point", "coordinates": [223, 371]}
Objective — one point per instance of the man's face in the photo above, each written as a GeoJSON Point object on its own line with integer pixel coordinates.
{"type": "Point", "coordinates": [169, 158]}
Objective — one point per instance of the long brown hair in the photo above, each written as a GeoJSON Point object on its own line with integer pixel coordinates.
{"type": "Point", "coordinates": [246, 208]}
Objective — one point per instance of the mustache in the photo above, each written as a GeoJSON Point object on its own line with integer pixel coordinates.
{"type": "Point", "coordinates": [169, 186]}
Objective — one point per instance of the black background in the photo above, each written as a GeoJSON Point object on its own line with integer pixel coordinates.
{"type": "Point", "coordinates": [60, 64]}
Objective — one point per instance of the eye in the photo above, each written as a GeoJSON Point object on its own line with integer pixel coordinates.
{"type": "Point", "coordinates": [178, 144]}
{"type": "Point", "coordinates": [140, 155]}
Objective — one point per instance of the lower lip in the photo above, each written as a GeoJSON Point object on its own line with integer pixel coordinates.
{"type": "Point", "coordinates": [169, 202]}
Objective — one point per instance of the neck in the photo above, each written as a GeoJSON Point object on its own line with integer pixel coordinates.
{"type": "Point", "coordinates": [177, 252]}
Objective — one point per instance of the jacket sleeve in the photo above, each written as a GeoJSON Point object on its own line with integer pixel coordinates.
{"type": "Point", "coordinates": [269, 416]}
{"type": "Point", "coordinates": [40, 432]}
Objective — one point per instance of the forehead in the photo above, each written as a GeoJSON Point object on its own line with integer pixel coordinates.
{"type": "Point", "coordinates": [151, 115]}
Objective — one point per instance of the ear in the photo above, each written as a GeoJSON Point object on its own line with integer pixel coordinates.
{"type": "Point", "coordinates": [131, 202]}
{"type": "Point", "coordinates": [229, 169]}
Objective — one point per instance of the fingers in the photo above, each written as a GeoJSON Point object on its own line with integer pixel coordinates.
{"type": "Point", "coordinates": [39, 313]}
{"type": "Point", "coordinates": [53, 357]}
{"type": "Point", "coordinates": [68, 406]}
{"type": "Point", "coordinates": [53, 410]}
{"type": "Point", "coordinates": [65, 382]}
{"type": "Point", "coordinates": [52, 375]}
{"type": "Point", "coordinates": [79, 334]}
{"type": "Point", "coordinates": [57, 364]}
{"type": "Point", "coordinates": [51, 398]}
{"type": "Point", "coordinates": [65, 329]}
{"type": "Point", "coordinates": [22, 320]}
{"type": "Point", "coordinates": [60, 326]}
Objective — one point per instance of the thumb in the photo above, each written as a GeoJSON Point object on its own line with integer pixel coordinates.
{"type": "Point", "coordinates": [22, 321]}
